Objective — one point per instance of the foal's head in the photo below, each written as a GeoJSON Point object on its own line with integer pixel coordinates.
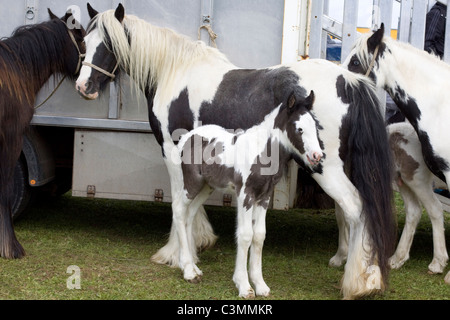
{"type": "Point", "coordinates": [100, 65]}
{"type": "Point", "coordinates": [301, 129]}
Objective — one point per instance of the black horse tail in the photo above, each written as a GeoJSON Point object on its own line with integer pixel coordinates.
{"type": "Point", "coordinates": [368, 163]}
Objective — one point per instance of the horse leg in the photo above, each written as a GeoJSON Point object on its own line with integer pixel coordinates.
{"type": "Point", "coordinates": [201, 228]}
{"type": "Point", "coordinates": [413, 211]}
{"type": "Point", "coordinates": [193, 209]}
{"type": "Point", "coordinates": [436, 214]}
{"type": "Point", "coordinates": [341, 255]}
{"type": "Point", "coordinates": [361, 276]}
{"type": "Point", "coordinates": [179, 219]}
{"type": "Point", "coordinates": [255, 265]}
{"type": "Point", "coordinates": [447, 278]}
{"type": "Point", "coordinates": [10, 148]}
{"type": "Point", "coordinates": [203, 232]}
{"type": "Point", "coordinates": [244, 236]}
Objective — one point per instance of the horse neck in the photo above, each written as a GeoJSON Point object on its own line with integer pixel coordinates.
{"type": "Point", "coordinates": [408, 68]}
{"type": "Point", "coordinates": [159, 57]}
{"type": "Point", "coordinates": [39, 52]}
{"type": "Point", "coordinates": [266, 132]}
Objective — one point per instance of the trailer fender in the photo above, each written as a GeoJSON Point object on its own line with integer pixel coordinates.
{"type": "Point", "coordinates": [39, 158]}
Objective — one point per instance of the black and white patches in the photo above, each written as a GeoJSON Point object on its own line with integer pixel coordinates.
{"type": "Point", "coordinates": [259, 188]}
{"type": "Point", "coordinates": [411, 110]}
{"type": "Point", "coordinates": [255, 159]}
{"type": "Point", "coordinates": [245, 97]}
{"type": "Point", "coordinates": [181, 116]}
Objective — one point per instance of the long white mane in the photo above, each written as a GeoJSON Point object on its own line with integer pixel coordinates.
{"type": "Point", "coordinates": [151, 55]}
{"type": "Point", "coordinates": [406, 56]}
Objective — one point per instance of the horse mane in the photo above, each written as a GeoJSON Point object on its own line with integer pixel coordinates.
{"type": "Point", "coordinates": [151, 55]}
{"type": "Point", "coordinates": [31, 55]}
{"type": "Point", "coordinates": [392, 45]}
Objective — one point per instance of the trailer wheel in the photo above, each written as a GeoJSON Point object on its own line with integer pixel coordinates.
{"type": "Point", "coordinates": [23, 193]}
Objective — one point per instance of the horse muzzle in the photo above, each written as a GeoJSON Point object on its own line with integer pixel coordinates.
{"type": "Point", "coordinates": [314, 158]}
{"type": "Point", "coordinates": [86, 89]}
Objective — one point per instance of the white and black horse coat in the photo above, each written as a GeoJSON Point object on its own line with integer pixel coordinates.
{"type": "Point", "coordinates": [188, 84]}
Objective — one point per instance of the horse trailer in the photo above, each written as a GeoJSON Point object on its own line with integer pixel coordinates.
{"type": "Point", "coordinates": [105, 148]}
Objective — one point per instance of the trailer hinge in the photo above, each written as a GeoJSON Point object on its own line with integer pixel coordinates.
{"type": "Point", "coordinates": [159, 195]}
{"type": "Point", "coordinates": [90, 192]}
{"type": "Point", "coordinates": [227, 198]}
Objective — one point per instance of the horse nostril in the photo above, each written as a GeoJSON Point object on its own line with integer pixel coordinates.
{"type": "Point", "coordinates": [89, 85]}
{"type": "Point", "coordinates": [317, 156]}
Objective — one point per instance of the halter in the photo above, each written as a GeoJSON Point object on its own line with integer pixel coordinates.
{"type": "Point", "coordinates": [80, 55]}
{"type": "Point", "coordinates": [101, 70]}
{"type": "Point", "coordinates": [372, 63]}
{"type": "Point", "coordinates": [80, 58]}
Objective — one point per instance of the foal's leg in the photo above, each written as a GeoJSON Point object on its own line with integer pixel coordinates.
{"type": "Point", "coordinates": [244, 236]}
{"type": "Point", "coordinates": [413, 211]}
{"type": "Point", "coordinates": [341, 255]}
{"type": "Point", "coordinates": [259, 234]}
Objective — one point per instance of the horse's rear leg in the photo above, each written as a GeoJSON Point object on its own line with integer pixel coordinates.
{"type": "Point", "coordinates": [361, 277]}
{"type": "Point", "coordinates": [341, 255]}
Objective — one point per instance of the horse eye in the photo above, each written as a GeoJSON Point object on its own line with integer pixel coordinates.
{"type": "Point", "coordinates": [300, 130]}
{"type": "Point", "coordinates": [356, 63]}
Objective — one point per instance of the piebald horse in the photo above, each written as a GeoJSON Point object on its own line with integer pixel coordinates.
{"type": "Point", "coordinates": [188, 84]}
{"type": "Point", "coordinates": [415, 183]}
{"type": "Point", "coordinates": [418, 83]}
{"type": "Point", "coordinates": [251, 162]}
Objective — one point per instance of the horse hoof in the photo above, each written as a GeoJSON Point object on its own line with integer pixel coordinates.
{"type": "Point", "coordinates": [447, 278]}
{"type": "Point", "coordinates": [436, 268]}
{"type": "Point", "coordinates": [195, 280]}
{"type": "Point", "coordinates": [337, 261]}
{"type": "Point", "coordinates": [250, 294]}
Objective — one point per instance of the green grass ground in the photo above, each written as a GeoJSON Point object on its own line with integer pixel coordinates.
{"type": "Point", "coordinates": [112, 243]}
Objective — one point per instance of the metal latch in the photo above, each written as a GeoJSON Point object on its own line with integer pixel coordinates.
{"type": "Point", "coordinates": [227, 198]}
{"type": "Point", "coordinates": [90, 192]}
{"type": "Point", "coordinates": [159, 195]}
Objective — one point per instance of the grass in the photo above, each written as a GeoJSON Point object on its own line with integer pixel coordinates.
{"type": "Point", "coordinates": [112, 242]}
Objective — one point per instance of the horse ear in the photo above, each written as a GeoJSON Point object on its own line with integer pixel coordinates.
{"type": "Point", "coordinates": [309, 101]}
{"type": "Point", "coordinates": [51, 14]}
{"type": "Point", "coordinates": [92, 12]}
{"type": "Point", "coordinates": [120, 13]}
{"type": "Point", "coordinates": [375, 40]}
{"type": "Point", "coordinates": [291, 101]}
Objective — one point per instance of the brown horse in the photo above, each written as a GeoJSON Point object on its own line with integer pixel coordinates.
{"type": "Point", "coordinates": [27, 60]}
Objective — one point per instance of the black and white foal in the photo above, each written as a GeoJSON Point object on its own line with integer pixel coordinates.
{"type": "Point", "coordinates": [251, 162]}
